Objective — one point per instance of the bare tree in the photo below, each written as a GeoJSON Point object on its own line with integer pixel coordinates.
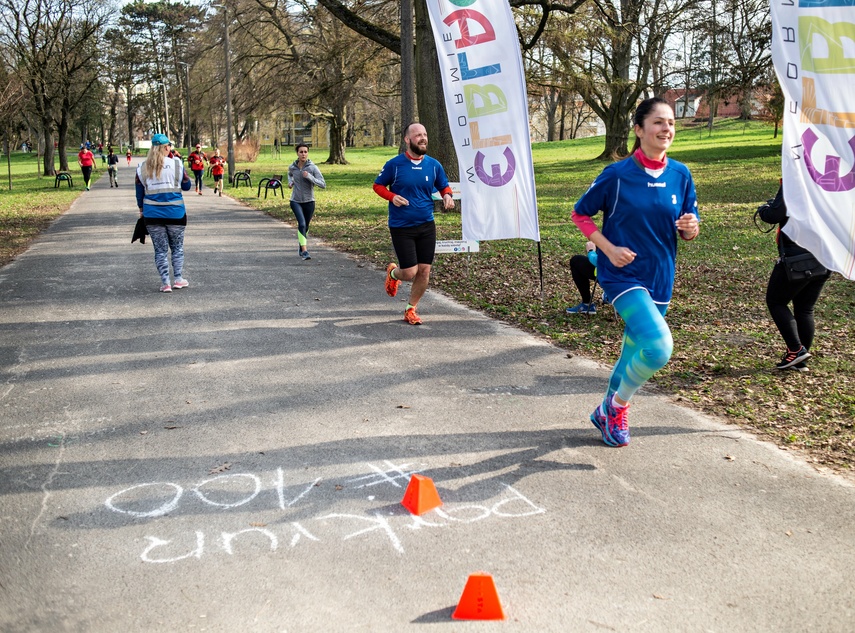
{"type": "Point", "coordinates": [11, 99]}
{"type": "Point", "coordinates": [625, 40]}
{"type": "Point", "coordinates": [164, 37]}
{"type": "Point", "coordinates": [33, 43]}
{"type": "Point", "coordinates": [429, 96]}
{"type": "Point", "coordinates": [325, 65]}
{"type": "Point", "coordinates": [748, 56]}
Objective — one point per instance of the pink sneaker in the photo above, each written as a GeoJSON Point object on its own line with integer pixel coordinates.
{"type": "Point", "coordinates": [166, 288]}
{"type": "Point", "coordinates": [180, 283]}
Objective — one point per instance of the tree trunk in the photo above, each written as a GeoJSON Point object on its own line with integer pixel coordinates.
{"type": "Point", "coordinates": [338, 136]}
{"type": "Point", "coordinates": [429, 96]}
{"type": "Point", "coordinates": [47, 163]}
{"type": "Point", "coordinates": [617, 124]}
{"type": "Point", "coordinates": [744, 99]}
{"type": "Point", "coordinates": [114, 111]}
{"type": "Point", "coordinates": [62, 138]}
{"type": "Point", "coordinates": [618, 116]}
{"type": "Point", "coordinates": [389, 129]}
{"type": "Point", "coordinates": [129, 110]}
{"type": "Point", "coordinates": [551, 101]}
{"type": "Point", "coordinates": [350, 136]}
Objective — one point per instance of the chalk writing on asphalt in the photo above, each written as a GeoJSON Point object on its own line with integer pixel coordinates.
{"type": "Point", "coordinates": [247, 491]}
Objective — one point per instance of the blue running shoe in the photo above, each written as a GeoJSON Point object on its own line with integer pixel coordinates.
{"type": "Point", "coordinates": [617, 425]}
{"type": "Point", "coordinates": [582, 308]}
{"type": "Point", "coordinates": [599, 420]}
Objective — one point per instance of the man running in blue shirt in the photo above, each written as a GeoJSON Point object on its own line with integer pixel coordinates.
{"type": "Point", "coordinates": [407, 182]}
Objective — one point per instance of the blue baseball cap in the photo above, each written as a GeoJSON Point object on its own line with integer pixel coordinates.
{"type": "Point", "coordinates": [160, 139]}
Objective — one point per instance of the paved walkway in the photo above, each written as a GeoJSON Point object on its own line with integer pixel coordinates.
{"type": "Point", "coordinates": [231, 457]}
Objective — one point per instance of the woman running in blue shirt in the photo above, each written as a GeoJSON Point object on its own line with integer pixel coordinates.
{"type": "Point", "coordinates": [647, 200]}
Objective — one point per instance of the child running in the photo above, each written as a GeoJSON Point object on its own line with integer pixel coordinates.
{"type": "Point", "coordinates": [217, 163]}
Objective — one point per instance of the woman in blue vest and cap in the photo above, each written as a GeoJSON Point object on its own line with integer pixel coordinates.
{"type": "Point", "coordinates": [159, 183]}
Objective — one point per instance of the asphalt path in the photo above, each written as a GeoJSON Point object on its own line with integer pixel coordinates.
{"type": "Point", "coordinates": [232, 457]}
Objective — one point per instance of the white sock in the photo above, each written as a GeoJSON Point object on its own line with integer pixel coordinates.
{"type": "Point", "coordinates": [615, 403]}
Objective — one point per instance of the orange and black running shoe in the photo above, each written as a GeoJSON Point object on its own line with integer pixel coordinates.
{"type": "Point", "coordinates": [391, 284]}
{"type": "Point", "coordinates": [411, 317]}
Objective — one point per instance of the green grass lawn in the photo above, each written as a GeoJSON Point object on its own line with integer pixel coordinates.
{"type": "Point", "coordinates": [725, 342]}
{"type": "Point", "coordinates": [32, 203]}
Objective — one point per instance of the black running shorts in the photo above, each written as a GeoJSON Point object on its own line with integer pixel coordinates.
{"type": "Point", "coordinates": [414, 244]}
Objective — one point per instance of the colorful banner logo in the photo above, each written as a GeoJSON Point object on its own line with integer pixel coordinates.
{"type": "Point", "coordinates": [485, 96]}
{"type": "Point", "coordinates": [813, 49]}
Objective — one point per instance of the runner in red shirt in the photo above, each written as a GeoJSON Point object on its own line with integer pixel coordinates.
{"type": "Point", "coordinates": [197, 160]}
{"type": "Point", "coordinates": [86, 160]}
{"type": "Point", "coordinates": [217, 170]}
{"type": "Point", "coordinates": [128, 155]}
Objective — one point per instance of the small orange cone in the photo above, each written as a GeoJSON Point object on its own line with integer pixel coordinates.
{"type": "Point", "coordinates": [421, 495]}
{"type": "Point", "coordinates": [480, 600]}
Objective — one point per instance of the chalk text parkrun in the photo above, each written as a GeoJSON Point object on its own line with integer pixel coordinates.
{"type": "Point", "coordinates": [492, 98]}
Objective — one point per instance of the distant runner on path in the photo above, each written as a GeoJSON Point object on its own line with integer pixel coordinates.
{"type": "Point", "coordinates": [303, 175]}
{"type": "Point", "coordinates": [86, 160]}
{"type": "Point", "coordinates": [217, 169]}
{"type": "Point", "coordinates": [197, 160]}
{"type": "Point", "coordinates": [113, 168]}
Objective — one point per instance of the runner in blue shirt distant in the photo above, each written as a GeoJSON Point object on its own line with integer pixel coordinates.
{"type": "Point", "coordinates": [647, 199]}
{"type": "Point", "coordinates": [407, 182]}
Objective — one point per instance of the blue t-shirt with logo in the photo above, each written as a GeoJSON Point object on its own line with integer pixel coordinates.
{"type": "Point", "coordinates": [639, 212]}
{"type": "Point", "coordinates": [415, 181]}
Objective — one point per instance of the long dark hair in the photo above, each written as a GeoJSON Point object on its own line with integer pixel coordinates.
{"type": "Point", "coordinates": [642, 112]}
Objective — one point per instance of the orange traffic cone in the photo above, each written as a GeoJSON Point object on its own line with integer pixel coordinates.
{"type": "Point", "coordinates": [421, 495]}
{"type": "Point", "coordinates": [480, 600]}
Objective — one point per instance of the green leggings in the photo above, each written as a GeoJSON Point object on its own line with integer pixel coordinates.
{"type": "Point", "coordinates": [647, 343]}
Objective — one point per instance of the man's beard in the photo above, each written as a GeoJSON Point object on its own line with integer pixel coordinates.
{"type": "Point", "coordinates": [415, 150]}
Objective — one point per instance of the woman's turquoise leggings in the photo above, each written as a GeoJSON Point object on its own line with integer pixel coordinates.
{"type": "Point", "coordinates": [647, 343]}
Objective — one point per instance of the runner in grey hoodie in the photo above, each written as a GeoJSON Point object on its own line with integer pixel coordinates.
{"type": "Point", "coordinates": [303, 175]}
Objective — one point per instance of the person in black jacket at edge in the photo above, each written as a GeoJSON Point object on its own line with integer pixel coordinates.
{"type": "Point", "coordinates": [796, 326]}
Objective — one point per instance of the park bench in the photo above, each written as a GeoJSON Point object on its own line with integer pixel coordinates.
{"type": "Point", "coordinates": [63, 176]}
{"type": "Point", "coordinates": [274, 183]}
{"type": "Point", "coordinates": [242, 177]}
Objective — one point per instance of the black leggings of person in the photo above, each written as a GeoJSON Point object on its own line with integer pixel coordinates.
{"type": "Point", "coordinates": [796, 326]}
{"type": "Point", "coordinates": [303, 212]}
{"type": "Point", "coordinates": [87, 174]}
{"type": "Point", "coordinates": [584, 273]}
